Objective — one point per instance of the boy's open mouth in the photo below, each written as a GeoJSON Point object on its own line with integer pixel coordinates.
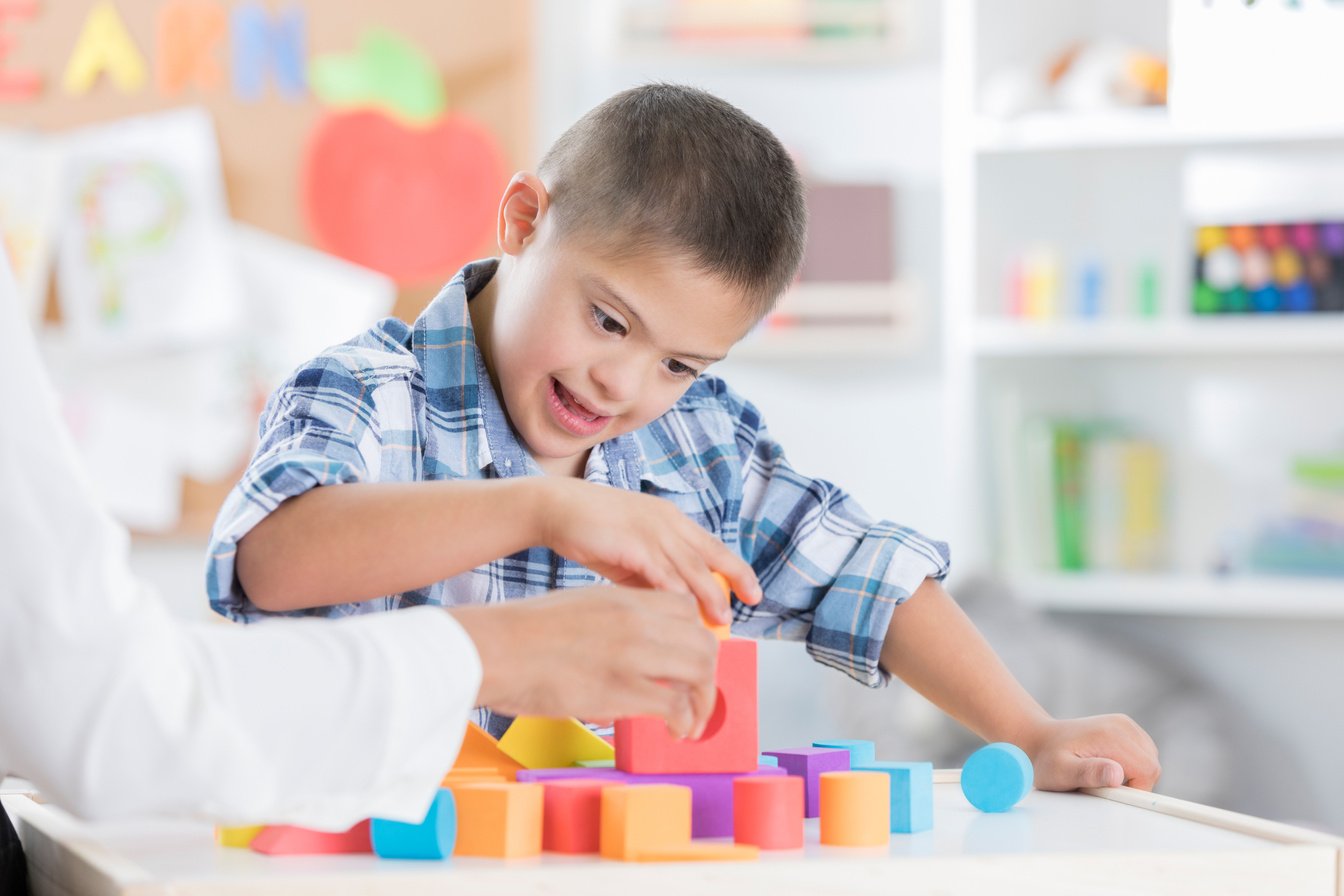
{"type": "Point", "coordinates": [573, 414]}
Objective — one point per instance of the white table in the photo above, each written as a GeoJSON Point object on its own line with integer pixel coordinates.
{"type": "Point", "coordinates": [1108, 841]}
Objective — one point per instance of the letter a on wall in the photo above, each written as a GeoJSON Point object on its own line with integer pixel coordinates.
{"type": "Point", "coordinates": [104, 45]}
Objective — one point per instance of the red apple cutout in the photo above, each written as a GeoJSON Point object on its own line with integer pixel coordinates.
{"type": "Point", "coordinates": [415, 203]}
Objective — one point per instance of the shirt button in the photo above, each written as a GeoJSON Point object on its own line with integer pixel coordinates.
{"type": "Point", "coordinates": [508, 464]}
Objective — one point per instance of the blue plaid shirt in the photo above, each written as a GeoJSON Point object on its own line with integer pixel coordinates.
{"type": "Point", "coordinates": [405, 404]}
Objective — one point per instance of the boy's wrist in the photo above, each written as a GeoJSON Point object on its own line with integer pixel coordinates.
{"type": "Point", "coordinates": [1027, 733]}
{"type": "Point", "coordinates": [528, 502]}
{"type": "Point", "coordinates": [541, 504]}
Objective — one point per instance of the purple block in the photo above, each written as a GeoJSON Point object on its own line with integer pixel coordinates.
{"type": "Point", "coordinates": [711, 794]}
{"type": "Point", "coordinates": [808, 763]}
{"type": "Point", "coordinates": [711, 797]}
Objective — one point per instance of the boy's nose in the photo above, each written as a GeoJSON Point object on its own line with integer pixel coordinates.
{"type": "Point", "coordinates": [619, 379]}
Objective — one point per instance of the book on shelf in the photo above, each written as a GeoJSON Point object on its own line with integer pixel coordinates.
{"type": "Point", "coordinates": [1088, 496]}
{"type": "Point", "coordinates": [1307, 536]}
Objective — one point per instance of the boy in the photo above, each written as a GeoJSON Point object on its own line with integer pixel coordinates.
{"type": "Point", "coordinates": [548, 408]}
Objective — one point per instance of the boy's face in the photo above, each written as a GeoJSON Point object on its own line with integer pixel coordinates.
{"type": "Point", "coordinates": [584, 348]}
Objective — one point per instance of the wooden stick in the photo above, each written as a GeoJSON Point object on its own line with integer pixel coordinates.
{"type": "Point", "coordinates": [1219, 818]}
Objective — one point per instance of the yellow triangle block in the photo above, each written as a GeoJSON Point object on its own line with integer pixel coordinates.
{"type": "Point", "coordinates": [237, 838]}
{"type": "Point", "coordinates": [539, 742]}
{"type": "Point", "coordinates": [480, 751]}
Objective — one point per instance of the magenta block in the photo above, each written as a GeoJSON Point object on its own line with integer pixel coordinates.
{"type": "Point", "coordinates": [808, 763]}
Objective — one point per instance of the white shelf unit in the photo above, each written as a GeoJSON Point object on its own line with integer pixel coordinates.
{"type": "Point", "coordinates": [1125, 129]}
{"type": "Point", "coordinates": [1249, 336]}
{"type": "Point", "coordinates": [1273, 597]}
{"type": "Point", "coordinates": [1230, 399]}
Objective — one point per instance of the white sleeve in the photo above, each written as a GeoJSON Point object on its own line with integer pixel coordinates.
{"type": "Point", "coordinates": [111, 707]}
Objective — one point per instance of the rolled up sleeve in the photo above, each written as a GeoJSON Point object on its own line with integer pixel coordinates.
{"type": "Point", "coordinates": [831, 574]}
{"type": "Point", "coordinates": [345, 417]}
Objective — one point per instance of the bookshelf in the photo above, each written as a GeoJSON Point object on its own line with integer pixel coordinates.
{"type": "Point", "coordinates": [1231, 400]}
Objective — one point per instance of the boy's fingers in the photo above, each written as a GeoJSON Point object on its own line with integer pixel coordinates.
{"type": "Point", "coordinates": [741, 577]}
{"type": "Point", "coordinates": [711, 595]}
{"type": "Point", "coordinates": [1098, 772]}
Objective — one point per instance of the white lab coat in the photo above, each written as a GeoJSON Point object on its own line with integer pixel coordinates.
{"type": "Point", "coordinates": [112, 707]}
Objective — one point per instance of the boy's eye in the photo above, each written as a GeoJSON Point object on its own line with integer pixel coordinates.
{"type": "Point", "coordinates": [606, 322]}
{"type": "Point", "coordinates": [679, 369]}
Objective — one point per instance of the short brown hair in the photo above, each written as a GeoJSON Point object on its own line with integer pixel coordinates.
{"type": "Point", "coordinates": [666, 167]}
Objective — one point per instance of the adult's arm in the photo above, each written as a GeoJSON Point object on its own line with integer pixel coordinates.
{"type": "Point", "coordinates": [112, 707]}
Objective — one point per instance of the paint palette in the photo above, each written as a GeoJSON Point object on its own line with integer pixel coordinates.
{"type": "Point", "coordinates": [1276, 268]}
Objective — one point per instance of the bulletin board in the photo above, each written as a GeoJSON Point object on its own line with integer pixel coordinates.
{"type": "Point", "coordinates": [483, 52]}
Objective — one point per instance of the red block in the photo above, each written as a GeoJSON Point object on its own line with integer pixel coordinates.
{"type": "Point", "coordinates": [645, 746]}
{"type": "Point", "coordinates": [287, 840]}
{"type": "Point", "coordinates": [768, 811]}
{"type": "Point", "coordinates": [572, 815]}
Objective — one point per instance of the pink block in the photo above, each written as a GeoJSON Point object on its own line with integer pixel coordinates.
{"type": "Point", "coordinates": [572, 814]}
{"type": "Point", "coordinates": [645, 746]}
{"type": "Point", "coordinates": [768, 811]}
{"type": "Point", "coordinates": [287, 840]}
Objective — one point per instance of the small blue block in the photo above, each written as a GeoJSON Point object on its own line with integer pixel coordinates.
{"type": "Point", "coordinates": [433, 838]}
{"type": "Point", "coordinates": [861, 752]}
{"type": "Point", "coordinates": [996, 777]}
{"type": "Point", "coordinates": [911, 794]}
{"type": "Point", "coordinates": [769, 760]}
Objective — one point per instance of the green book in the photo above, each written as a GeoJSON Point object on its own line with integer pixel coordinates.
{"type": "Point", "coordinates": [1070, 508]}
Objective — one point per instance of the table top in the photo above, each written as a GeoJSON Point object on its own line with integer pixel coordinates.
{"type": "Point", "coordinates": [1110, 840]}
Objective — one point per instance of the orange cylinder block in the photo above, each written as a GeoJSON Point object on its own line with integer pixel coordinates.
{"type": "Point", "coordinates": [855, 809]}
{"type": "Point", "coordinates": [768, 811]}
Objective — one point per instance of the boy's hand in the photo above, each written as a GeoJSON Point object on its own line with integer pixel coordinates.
{"type": "Point", "coordinates": [596, 653]}
{"type": "Point", "coordinates": [1097, 751]}
{"type": "Point", "coordinates": [639, 540]}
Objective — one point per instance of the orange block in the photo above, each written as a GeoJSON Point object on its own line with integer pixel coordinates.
{"type": "Point", "coordinates": [480, 750]}
{"type": "Point", "coordinates": [287, 840]}
{"type": "Point", "coordinates": [721, 632]}
{"type": "Point", "coordinates": [499, 820]}
{"type": "Point", "coordinates": [768, 811]}
{"type": "Point", "coordinates": [644, 818]}
{"type": "Point", "coordinates": [645, 746]}
{"type": "Point", "coordinates": [855, 808]}
{"type": "Point", "coordinates": [700, 852]}
{"type": "Point", "coordinates": [472, 775]}
{"type": "Point", "coordinates": [572, 815]}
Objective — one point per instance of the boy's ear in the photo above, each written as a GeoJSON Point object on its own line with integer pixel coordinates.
{"type": "Point", "coordinates": [525, 201]}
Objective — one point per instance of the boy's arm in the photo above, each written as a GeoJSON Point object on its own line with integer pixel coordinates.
{"type": "Point", "coordinates": [936, 649]}
{"type": "Point", "coordinates": [363, 540]}
{"type": "Point", "coordinates": [356, 542]}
